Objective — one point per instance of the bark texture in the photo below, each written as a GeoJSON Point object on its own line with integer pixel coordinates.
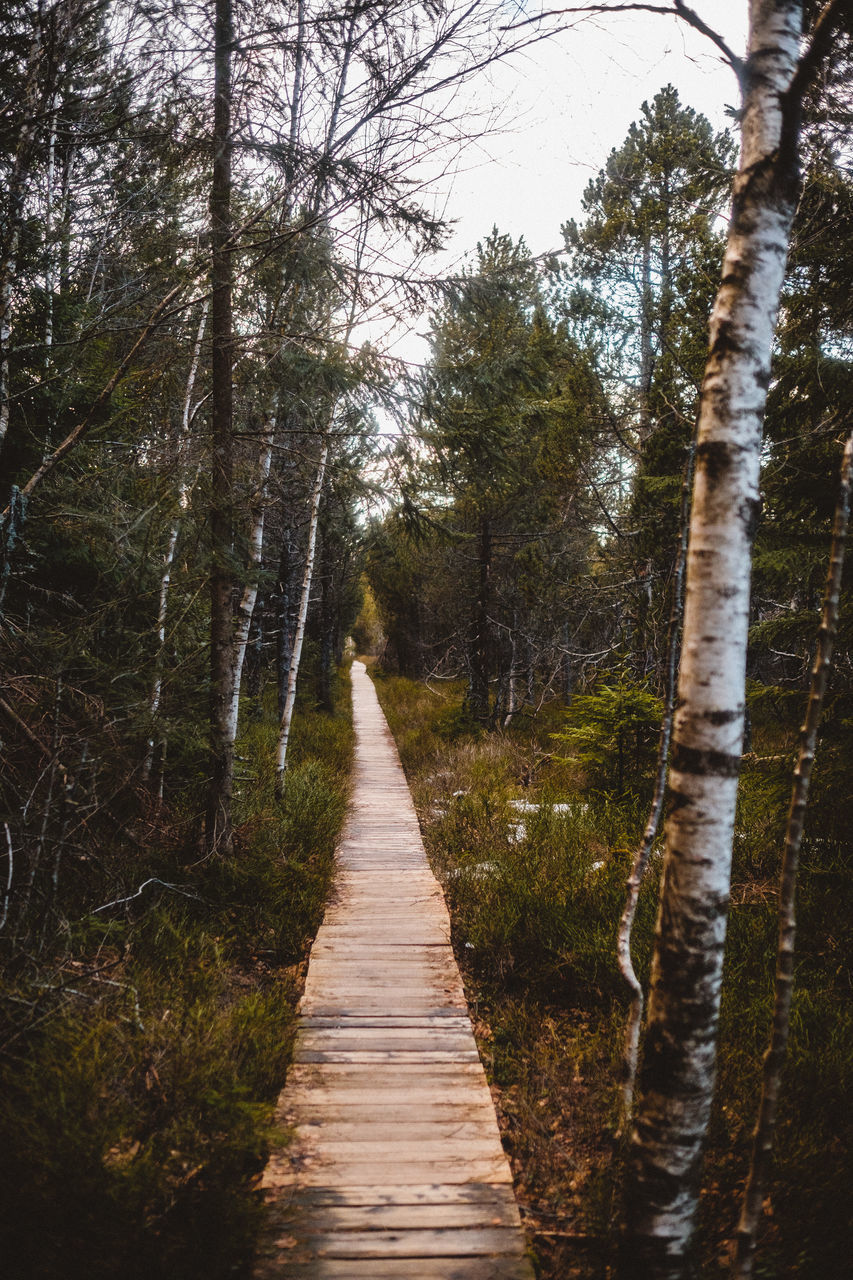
{"type": "Point", "coordinates": [677, 1079]}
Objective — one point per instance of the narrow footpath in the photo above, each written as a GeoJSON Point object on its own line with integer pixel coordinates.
{"type": "Point", "coordinates": [396, 1167]}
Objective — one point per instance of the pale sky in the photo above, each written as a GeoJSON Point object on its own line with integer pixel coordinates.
{"type": "Point", "coordinates": [568, 101]}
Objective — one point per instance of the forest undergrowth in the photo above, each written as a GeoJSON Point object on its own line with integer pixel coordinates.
{"type": "Point", "coordinates": [533, 853]}
{"type": "Point", "coordinates": [140, 1062]}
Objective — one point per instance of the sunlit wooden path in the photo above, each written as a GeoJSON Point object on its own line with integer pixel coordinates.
{"type": "Point", "coordinates": [396, 1168]}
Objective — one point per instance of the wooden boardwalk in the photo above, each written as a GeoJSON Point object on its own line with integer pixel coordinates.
{"type": "Point", "coordinates": [396, 1167]}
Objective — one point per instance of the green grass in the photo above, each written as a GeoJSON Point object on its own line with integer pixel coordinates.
{"type": "Point", "coordinates": [138, 1073]}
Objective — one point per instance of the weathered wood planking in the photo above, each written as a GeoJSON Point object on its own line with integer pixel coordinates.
{"type": "Point", "coordinates": [395, 1168]}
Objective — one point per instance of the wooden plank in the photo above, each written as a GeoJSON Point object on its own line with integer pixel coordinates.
{"type": "Point", "coordinates": [414, 1039]}
{"type": "Point", "coordinates": [473, 1193]}
{"type": "Point", "coordinates": [414, 1217]}
{"type": "Point", "coordinates": [316, 1174]}
{"type": "Point", "coordinates": [429, 1242]}
{"type": "Point", "coordinates": [397, 1269]}
{"type": "Point", "coordinates": [337, 1134]}
{"type": "Point", "coordinates": [381, 1056]}
{"type": "Point", "coordinates": [380, 1079]}
{"type": "Point", "coordinates": [424, 1109]}
{"type": "Point", "coordinates": [353, 1095]}
{"type": "Point", "coordinates": [440, 1021]}
{"type": "Point", "coordinates": [327, 1144]}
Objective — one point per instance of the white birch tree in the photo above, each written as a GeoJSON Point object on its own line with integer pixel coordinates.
{"type": "Point", "coordinates": [677, 1079]}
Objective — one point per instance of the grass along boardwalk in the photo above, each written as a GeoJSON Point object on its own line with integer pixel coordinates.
{"type": "Point", "coordinates": [396, 1167]}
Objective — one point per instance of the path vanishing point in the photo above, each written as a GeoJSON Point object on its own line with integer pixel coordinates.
{"type": "Point", "coordinates": [396, 1167]}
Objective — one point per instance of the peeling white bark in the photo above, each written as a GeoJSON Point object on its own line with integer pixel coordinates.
{"type": "Point", "coordinates": [677, 1079]}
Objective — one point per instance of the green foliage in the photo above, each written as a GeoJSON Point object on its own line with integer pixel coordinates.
{"type": "Point", "coordinates": [613, 735]}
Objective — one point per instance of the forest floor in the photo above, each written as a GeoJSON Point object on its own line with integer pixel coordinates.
{"type": "Point", "coordinates": [142, 1049]}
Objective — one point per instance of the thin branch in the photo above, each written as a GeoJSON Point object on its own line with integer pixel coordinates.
{"type": "Point", "coordinates": [831, 15]}
{"type": "Point", "coordinates": [679, 10]}
{"type": "Point", "coordinates": [118, 902]}
{"type": "Point", "coordinates": [9, 876]}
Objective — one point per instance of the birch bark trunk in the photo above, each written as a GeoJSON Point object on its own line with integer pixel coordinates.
{"type": "Point", "coordinates": [677, 1079]}
{"type": "Point", "coordinates": [248, 598]}
{"type": "Point", "coordinates": [304, 596]}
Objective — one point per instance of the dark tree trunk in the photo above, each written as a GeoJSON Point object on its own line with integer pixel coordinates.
{"type": "Point", "coordinates": [218, 836]}
{"type": "Point", "coordinates": [478, 695]}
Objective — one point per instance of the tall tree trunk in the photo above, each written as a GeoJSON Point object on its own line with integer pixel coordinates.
{"type": "Point", "coordinates": [218, 833]}
{"type": "Point", "coordinates": [172, 542]}
{"type": "Point", "coordinates": [677, 1078]}
{"type": "Point", "coordinates": [304, 597]}
{"type": "Point", "coordinates": [765, 1125]}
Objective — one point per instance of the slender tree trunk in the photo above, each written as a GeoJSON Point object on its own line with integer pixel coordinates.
{"type": "Point", "coordinates": [567, 672]}
{"type": "Point", "coordinates": [218, 833]}
{"type": "Point", "coordinates": [479, 691]}
{"type": "Point", "coordinates": [327, 629]}
{"type": "Point", "coordinates": [284, 619]}
{"type": "Point", "coordinates": [304, 597]}
{"type": "Point", "coordinates": [15, 192]}
{"type": "Point", "coordinates": [255, 658]}
{"type": "Point", "coordinates": [172, 542]}
{"type": "Point", "coordinates": [246, 607]}
{"type": "Point", "coordinates": [49, 272]}
{"type": "Point", "coordinates": [677, 1078]}
{"type": "Point", "coordinates": [511, 698]}
{"type": "Point", "coordinates": [631, 1044]}
{"type": "Point", "coordinates": [765, 1125]}
{"type": "Point", "coordinates": [646, 306]}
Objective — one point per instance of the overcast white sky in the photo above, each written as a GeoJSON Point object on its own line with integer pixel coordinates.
{"type": "Point", "coordinates": [568, 101]}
